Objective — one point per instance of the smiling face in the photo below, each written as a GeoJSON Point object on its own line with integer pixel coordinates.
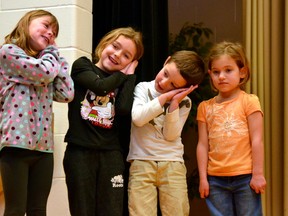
{"type": "Point", "coordinates": [42, 33]}
{"type": "Point", "coordinates": [169, 78]}
{"type": "Point", "coordinates": [117, 55]}
{"type": "Point", "coordinates": [226, 75]}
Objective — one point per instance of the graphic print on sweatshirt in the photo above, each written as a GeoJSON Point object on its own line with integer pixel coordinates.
{"type": "Point", "coordinates": [99, 110]}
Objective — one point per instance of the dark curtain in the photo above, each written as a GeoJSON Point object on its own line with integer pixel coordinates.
{"type": "Point", "coordinates": [148, 16]}
{"type": "Point", "coordinates": [151, 18]}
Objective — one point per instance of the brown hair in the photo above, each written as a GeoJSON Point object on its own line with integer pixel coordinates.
{"type": "Point", "coordinates": [20, 35]}
{"type": "Point", "coordinates": [111, 36]}
{"type": "Point", "coordinates": [190, 65]}
{"type": "Point", "coordinates": [236, 51]}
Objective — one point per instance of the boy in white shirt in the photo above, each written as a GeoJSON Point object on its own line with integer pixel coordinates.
{"type": "Point", "coordinates": [160, 110]}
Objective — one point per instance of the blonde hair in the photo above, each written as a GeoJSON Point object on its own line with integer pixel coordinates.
{"type": "Point", "coordinates": [111, 36]}
{"type": "Point", "coordinates": [236, 51]}
{"type": "Point", "coordinates": [190, 65]}
{"type": "Point", "coordinates": [20, 35]}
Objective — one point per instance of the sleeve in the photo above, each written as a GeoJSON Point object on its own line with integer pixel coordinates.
{"type": "Point", "coordinates": [174, 122]}
{"type": "Point", "coordinates": [201, 112]}
{"type": "Point", "coordinates": [63, 84]}
{"type": "Point", "coordinates": [124, 99]}
{"type": "Point", "coordinates": [18, 67]}
{"type": "Point", "coordinates": [84, 74]}
{"type": "Point", "coordinates": [252, 104]}
{"type": "Point", "coordinates": [143, 109]}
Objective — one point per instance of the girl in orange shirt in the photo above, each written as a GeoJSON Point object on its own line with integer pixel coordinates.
{"type": "Point", "coordinates": [230, 151]}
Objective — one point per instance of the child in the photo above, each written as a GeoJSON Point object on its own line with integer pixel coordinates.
{"type": "Point", "coordinates": [93, 161]}
{"type": "Point", "coordinates": [230, 147]}
{"type": "Point", "coordinates": [159, 111]}
{"type": "Point", "coordinates": [32, 75]}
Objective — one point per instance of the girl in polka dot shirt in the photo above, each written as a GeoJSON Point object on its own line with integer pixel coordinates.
{"type": "Point", "coordinates": [32, 75]}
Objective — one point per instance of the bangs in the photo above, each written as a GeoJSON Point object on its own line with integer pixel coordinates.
{"type": "Point", "coordinates": [55, 25]}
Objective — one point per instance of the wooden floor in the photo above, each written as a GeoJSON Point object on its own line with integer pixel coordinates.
{"type": "Point", "coordinates": [198, 207]}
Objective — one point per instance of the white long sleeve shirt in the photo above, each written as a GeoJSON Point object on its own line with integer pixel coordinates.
{"type": "Point", "coordinates": [155, 133]}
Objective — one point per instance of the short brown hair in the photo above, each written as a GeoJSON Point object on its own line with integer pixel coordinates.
{"type": "Point", "coordinates": [127, 32]}
{"type": "Point", "coordinates": [190, 65]}
{"type": "Point", "coordinates": [20, 34]}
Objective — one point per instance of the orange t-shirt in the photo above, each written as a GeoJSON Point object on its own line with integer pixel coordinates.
{"type": "Point", "coordinates": [228, 133]}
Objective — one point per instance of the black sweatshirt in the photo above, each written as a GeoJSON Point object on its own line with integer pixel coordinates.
{"type": "Point", "coordinates": [100, 99]}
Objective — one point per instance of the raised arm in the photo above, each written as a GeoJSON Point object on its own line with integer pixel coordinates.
{"type": "Point", "coordinates": [83, 73]}
{"type": "Point", "coordinates": [18, 67]}
{"type": "Point", "coordinates": [63, 86]}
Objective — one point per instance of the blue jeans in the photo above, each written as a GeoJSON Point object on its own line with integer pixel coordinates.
{"type": "Point", "coordinates": [233, 195]}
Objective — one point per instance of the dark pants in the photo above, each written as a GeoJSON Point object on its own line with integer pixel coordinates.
{"type": "Point", "coordinates": [95, 181]}
{"type": "Point", "coordinates": [26, 178]}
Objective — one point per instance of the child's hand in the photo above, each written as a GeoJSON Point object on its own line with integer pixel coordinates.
{"type": "Point", "coordinates": [167, 96]}
{"type": "Point", "coordinates": [130, 68]}
{"type": "Point", "coordinates": [204, 189]}
{"type": "Point", "coordinates": [258, 183]}
{"type": "Point", "coordinates": [52, 43]}
{"type": "Point", "coordinates": [177, 98]}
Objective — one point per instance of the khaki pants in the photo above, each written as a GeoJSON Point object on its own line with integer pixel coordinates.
{"type": "Point", "coordinates": [149, 180]}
